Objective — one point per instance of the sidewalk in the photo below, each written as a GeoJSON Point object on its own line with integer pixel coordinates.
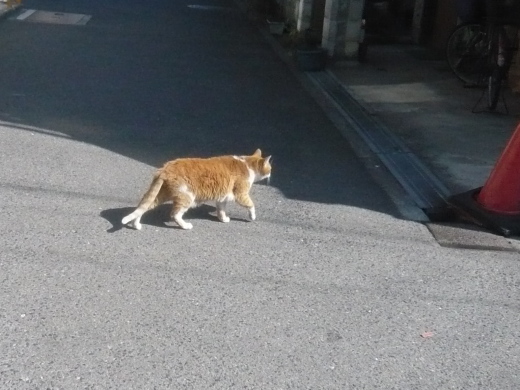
{"type": "Point", "coordinates": [422, 102]}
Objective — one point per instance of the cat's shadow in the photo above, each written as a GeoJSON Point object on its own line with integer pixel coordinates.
{"type": "Point", "coordinates": [158, 217]}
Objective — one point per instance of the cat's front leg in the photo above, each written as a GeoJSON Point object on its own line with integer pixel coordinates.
{"type": "Point", "coordinates": [221, 212]}
{"type": "Point", "coordinates": [245, 200]}
{"type": "Point", "coordinates": [252, 213]}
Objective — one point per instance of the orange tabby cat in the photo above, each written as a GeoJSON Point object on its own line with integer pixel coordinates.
{"type": "Point", "coordinates": [189, 182]}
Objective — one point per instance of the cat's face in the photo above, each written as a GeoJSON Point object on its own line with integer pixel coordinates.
{"type": "Point", "coordinates": [262, 166]}
{"type": "Point", "coordinates": [265, 169]}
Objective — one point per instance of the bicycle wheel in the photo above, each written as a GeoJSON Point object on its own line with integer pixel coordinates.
{"type": "Point", "coordinates": [467, 52]}
{"type": "Point", "coordinates": [497, 70]}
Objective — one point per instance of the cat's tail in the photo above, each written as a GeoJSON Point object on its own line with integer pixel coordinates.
{"type": "Point", "coordinates": [146, 202]}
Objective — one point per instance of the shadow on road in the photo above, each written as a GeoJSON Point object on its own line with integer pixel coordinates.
{"type": "Point", "coordinates": [159, 217]}
{"type": "Point", "coordinates": [176, 82]}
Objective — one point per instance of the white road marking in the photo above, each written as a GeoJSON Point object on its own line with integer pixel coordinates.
{"type": "Point", "coordinates": [26, 14]}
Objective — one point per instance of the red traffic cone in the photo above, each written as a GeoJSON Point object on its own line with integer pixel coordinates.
{"type": "Point", "coordinates": [501, 193]}
{"type": "Point", "coordinates": [496, 205]}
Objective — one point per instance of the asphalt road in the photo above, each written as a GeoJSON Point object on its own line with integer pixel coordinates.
{"type": "Point", "coordinates": [330, 288]}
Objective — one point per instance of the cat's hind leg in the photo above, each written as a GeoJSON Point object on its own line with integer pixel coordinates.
{"type": "Point", "coordinates": [177, 214]}
{"type": "Point", "coordinates": [148, 201]}
{"type": "Point", "coordinates": [181, 204]}
{"type": "Point", "coordinates": [221, 211]}
{"type": "Point", "coordinates": [134, 219]}
{"type": "Point", "coordinates": [136, 223]}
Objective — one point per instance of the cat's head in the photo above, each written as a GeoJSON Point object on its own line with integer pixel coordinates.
{"type": "Point", "coordinates": [260, 165]}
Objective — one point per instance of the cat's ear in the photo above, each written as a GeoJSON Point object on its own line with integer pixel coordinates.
{"type": "Point", "coordinates": [257, 153]}
{"type": "Point", "coordinates": [267, 160]}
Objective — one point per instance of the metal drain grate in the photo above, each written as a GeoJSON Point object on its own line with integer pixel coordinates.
{"type": "Point", "coordinates": [35, 16]}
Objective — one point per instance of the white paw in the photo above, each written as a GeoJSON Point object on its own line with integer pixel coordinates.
{"type": "Point", "coordinates": [224, 219]}
{"type": "Point", "coordinates": [187, 226]}
{"type": "Point", "coordinates": [252, 214]}
{"type": "Point", "coordinates": [135, 225]}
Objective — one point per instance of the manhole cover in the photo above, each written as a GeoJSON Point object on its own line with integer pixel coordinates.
{"type": "Point", "coordinates": [32, 15]}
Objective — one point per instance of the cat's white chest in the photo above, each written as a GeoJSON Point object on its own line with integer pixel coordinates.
{"type": "Point", "coordinates": [252, 176]}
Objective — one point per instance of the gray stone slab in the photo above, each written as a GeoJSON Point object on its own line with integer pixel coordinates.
{"type": "Point", "coordinates": [459, 235]}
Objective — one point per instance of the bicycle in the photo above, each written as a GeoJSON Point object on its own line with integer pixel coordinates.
{"type": "Point", "coordinates": [480, 54]}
